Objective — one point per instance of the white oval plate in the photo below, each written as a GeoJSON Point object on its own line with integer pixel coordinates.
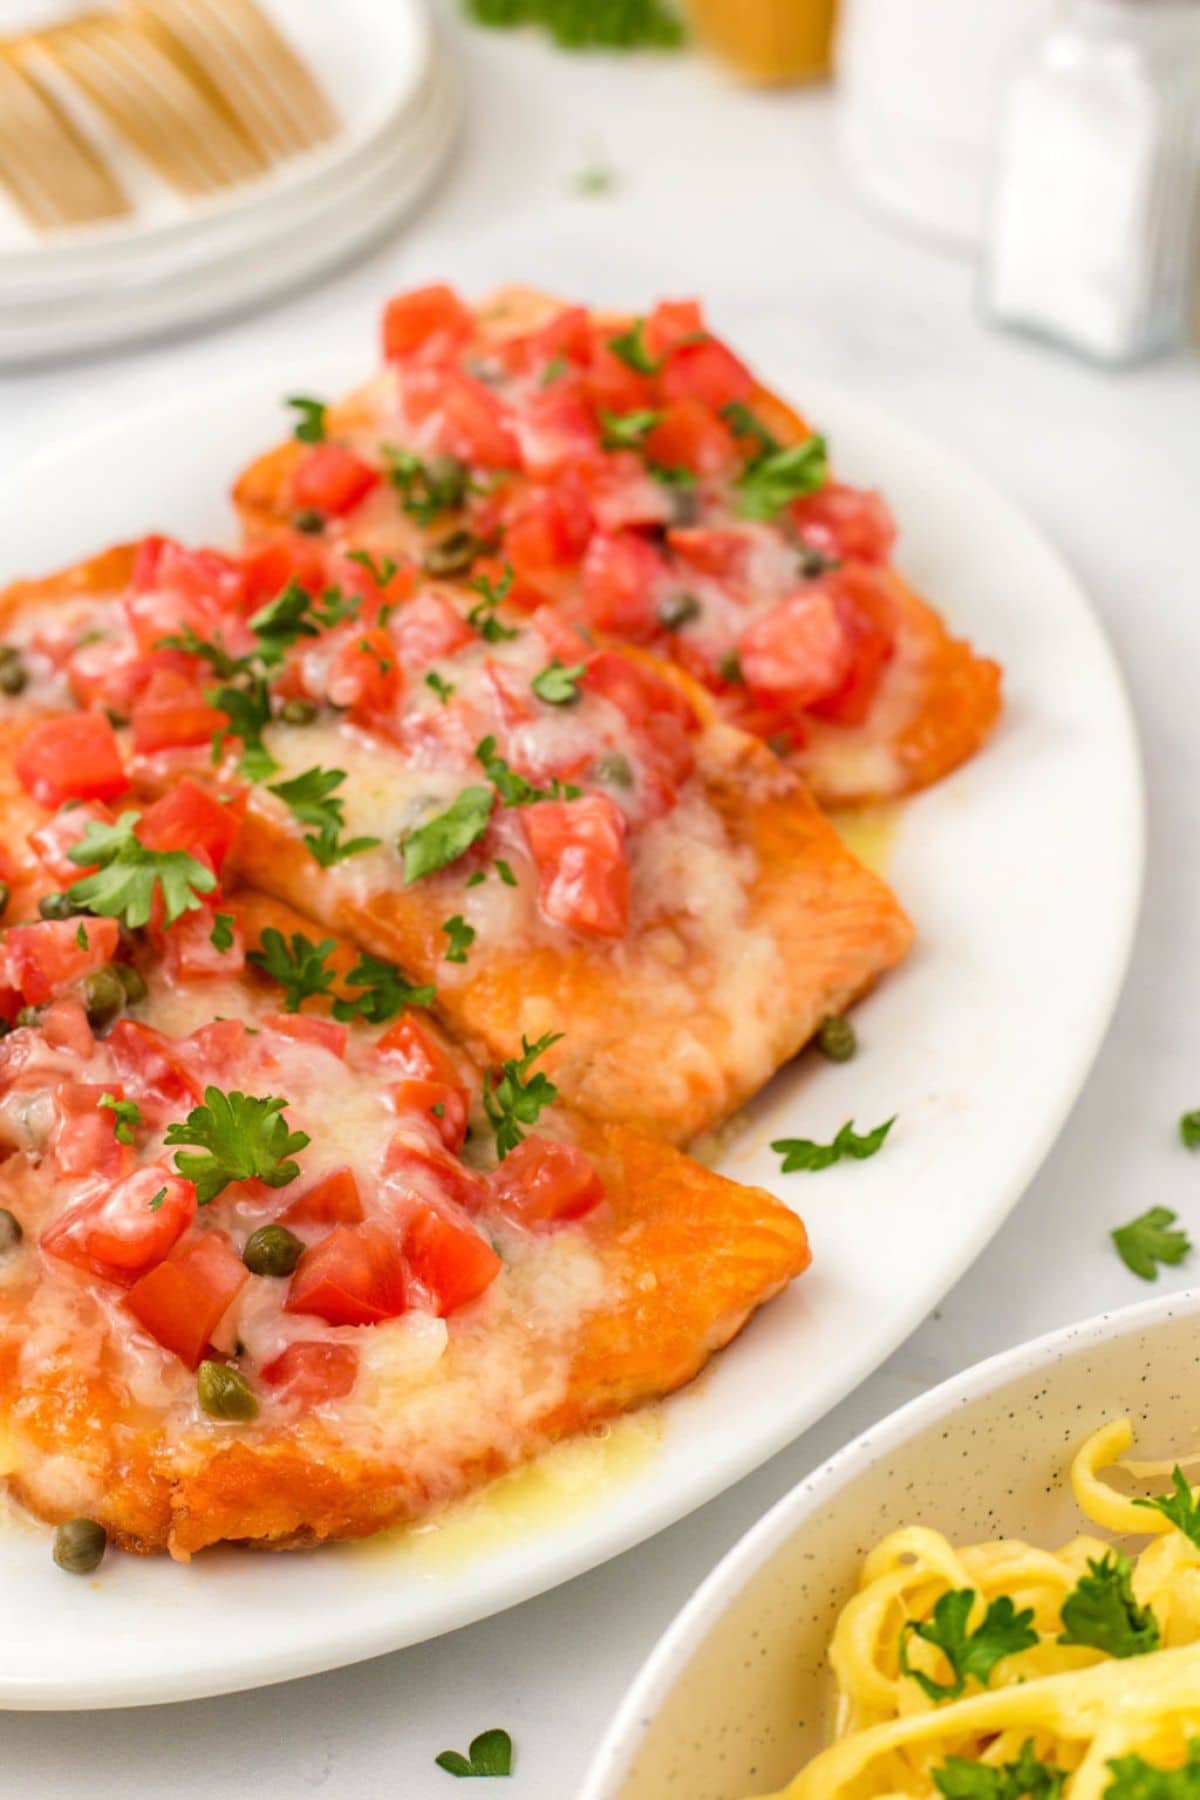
{"type": "Point", "coordinates": [1022, 872]}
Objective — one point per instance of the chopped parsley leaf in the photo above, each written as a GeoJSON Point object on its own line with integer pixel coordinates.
{"type": "Point", "coordinates": [126, 1114]}
{"type": "Point", "coordinates": [444, 838]}
{"type": "Point", "coordinates": [308, 796]}
{"type": "Point", "coordinates": [1133, 1778]}
{"type": "Point", "coordinates": [630, 346]}
{"type": "Point", "coordinates": [482, 615]}
{"type": "Point", "coordinates": [310, 421]}
{"type": "Point", "coordinates": [300, 966]}
{"type": "Point", "coordinates": [385, 992]}
{"type": "Point", "coordinates": [461, 936]}
{"type": "Point", "coordinates": [154, 1204]}
{"type": "Point", "coordinates": [123, 886]}
{"type": "Point", "coordinates": [427, 488]}
{"type": "Point", "coordinates": [1189, 1130]}
{"type": "Point", "coordinates": [515, 789]}
{"type": "Point", "coordinates": [972, 1655]}
{"type": "Point", "coordinates": [221, 935]}
{"type": "Point", "coordinates": [1149, 1240]}
{"type": "Point", "coordinates": [242, 1137]}
{"type": "Point", "coordinates": [627, 431]}
{"type": "Point", "coordinates": [443, 689]}
{"type": "Point", "coordinates": [504, 871]}
{"type": "Point", "coordinates": [1026, 1779]}
{"type": "Point", "coordinates": [518, 1098]}
{"type": "Point", "coordinates": [745, 424]}
{"type": "Point", "coordinates": [803, 1153]}
{"type": "Point", "coordinates": [249, 712]}
{"type": "Point", "coordinates": [772, 482]}
{"type": "Point", "coordinates": [380, 571]}
{"type": "Point", "coordinates": [558, 685]}
{"type": "Point", "coordinates": [491, 1753]}
{"type": "Point", "coordinates": [1102, 1612]}
{"type": "Point", "coordinates": [1179, 1507]}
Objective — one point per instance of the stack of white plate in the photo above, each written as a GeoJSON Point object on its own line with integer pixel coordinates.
{"type": "Point", "coordinates": [175, 263]}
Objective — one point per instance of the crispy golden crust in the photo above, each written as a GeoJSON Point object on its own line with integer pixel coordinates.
{"type": "Point", "coordinates": [937, 705]}
{"type": "Point", "coordinates": [686, 1256]}
{"type": "Point", "coordinates": [662, 1037]}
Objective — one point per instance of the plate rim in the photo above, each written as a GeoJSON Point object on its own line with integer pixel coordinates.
{"type": "Point", "coordinates": [600, 1537]}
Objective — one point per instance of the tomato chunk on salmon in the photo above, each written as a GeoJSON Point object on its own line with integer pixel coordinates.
{"type": "Point", "coordinates": [582, 863]}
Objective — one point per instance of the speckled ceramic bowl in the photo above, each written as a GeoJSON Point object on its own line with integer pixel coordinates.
{"type": "Point", "coordinates": [731, 1702]}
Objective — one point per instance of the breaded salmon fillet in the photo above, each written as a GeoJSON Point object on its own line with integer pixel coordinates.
{"type": "Point", "coordinates": [637, 474]}
{"type": "Point", "coordinates": [542, 830]}
{"type": "Point", "coordinates": [436, 1317]}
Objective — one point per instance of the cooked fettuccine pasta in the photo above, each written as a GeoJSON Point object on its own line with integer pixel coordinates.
{"type": "Point", "coordinates": [1000, 1671]}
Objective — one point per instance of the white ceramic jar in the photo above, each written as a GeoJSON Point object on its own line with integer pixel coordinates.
{"type": "Point", "coordinates": [921, 91]}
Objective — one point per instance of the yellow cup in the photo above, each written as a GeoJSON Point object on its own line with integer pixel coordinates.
{"type": "Point", "coordinates": [769, 41]}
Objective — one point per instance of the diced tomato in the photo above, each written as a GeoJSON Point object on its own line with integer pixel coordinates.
{"type": "Point", "coordinates": [673, 322]}
{"type": "Point", "coordinates": [191, 818]}
{"type": "Point", "coordinates": [43, 959]}
{"type": "Point", "coordinates": [415, 1163]}
{"type": "Point", "coordinates": [623, 495]}
{"type": "Point", "coordinates": [430, 318]}
{"type": "Point", "coordinates": [120, 1232]}
{"type": "Point", "coordinates": [65, 1026]}
{"type": "Point", "coordinates": [85, 1141]}
{"type": "Point", "coordinates": [708, 372]}
{"type": "Point", "coordinates": [173, 714]}
{"type": "Point", "coordinates": [354, 1276]}
{"type": "Point", "coordinates": [556, 428]}
{"type": "Point", "coordinates": [689, 436]}
{"type": "Point", "coordinates": [110, 672]}
{"type": "Point", "coordinates": [566, 336]}
{"type": "Point", "coordinates": [623, 578]}
{"type": "Point", "coordinates": [309, 1028]}
{"type": "Point", "coordinates": [364, 673]}
{"type": "Point", "coordinates": [561, 639]}
{"type": "Point", "coordinates": [182, 1301]}
{"type": "Point", "coordinates": [723, 551]}
{"type": "Point", "coordinates": [188, 950]}
{"type": "Point", "coordinates": [311, 1372]}
{"type": "Point", "coordinates": [331, 480]}
{"type": "Point", "coordinates": [427, 629]}
{"type": "Point", "coordinates": [550, 528]}
{"type": "Point", "coordinates": [155, 1070]}
{"type": "Point", "coordinates": [449, 1259]}
{"type": "Point", "coordinates": [416, 1051]}
{"type": "Point", "coordinates": [868, 613]}
{"type": "Point", "coordinates": [214, 1050]}
{"type": "Point", "coordinates": [466, 418]}
{"type": "Point", "coordinates": [52, 840]}
{"type": "Point", "coordinates": [640, 692]}
{"type": "Point", "coordinates": [511, 698]}
{"type": "Point", "coordinates": [543, 1182]}
{"type": "Point", "coordinates": [583, 868]}
{"type": "Point", "coordinates": [334, 1200]}
{"type": "Point", "coordinates": [611, 382]}
{"type": "Point", "coordinates": [268, 567]}
{"type": "Point", "coordinates": [444, 1105]}
{"type": "Point", "coordinates": [851, 523]}
{"type": "Point", "coordinates": [73, 758]}
{"type": "Point", "coordinates": [207, 575]}
{"type": "Point", "coordinates": [798, 650]}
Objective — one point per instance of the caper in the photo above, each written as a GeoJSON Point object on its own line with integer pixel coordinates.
{"type": "Point", "coordinates": [298, 712]}
{"type": "Point", "coordinates": [615, 769]}
{"type": "Point", "coordinates": [685, 506]}
{"type": "Point", "coordinates": [5, 897]}
{"type": "Point", "coordinates": [79, 1546]}
{"type": "Point", "coordinates": [780, 742]}
{"type": "Point", "coordinates": [118, 720]}
{"type": "Point", "coordinates": [677, 610]}
{"type": "Point", "coordinates": [10, 1231]}
{"type": "Point", "coordinates": [103, 996]}
{"type": "Point", "coordinates": [309, 521]}
{"type": "Point", "coordinates": [272, 1250]}
{"type": "Point", "coordinates": [8, 653]}
{"type": "Point", "coordinates": [224, 1392]}
{"type": "Point", "coordinates": [448, 478]}
{"type": "Point", "coordinates": [56, 906]}
{"type": "Point", "coordinates": [814, 562]}
{"type": "Point", "coordinates": [836, 1039]}
{"type": "Point", "coordinates": [730, 667]}
{"type": "Point", "coordinates": [131, 980]}
{"type": "Point", "coordinates": [29, 1015]}
{"type": "Point", "coordinates": [453, 555]}
{"type": "Point", "coordinates": [14, 677]}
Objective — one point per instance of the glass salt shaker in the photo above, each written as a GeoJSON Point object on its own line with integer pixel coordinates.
{"type": "Point", "coordinates": [1095, 223]}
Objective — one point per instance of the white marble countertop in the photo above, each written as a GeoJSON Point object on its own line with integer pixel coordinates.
{"type": "Point", "coordinates": [738, 197]}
